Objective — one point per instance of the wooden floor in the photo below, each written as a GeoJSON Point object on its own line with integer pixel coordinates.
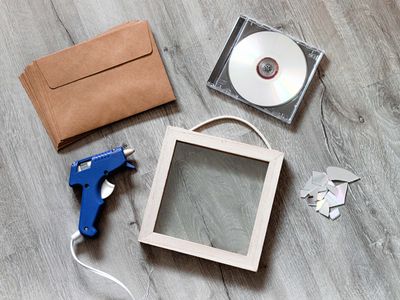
{"type": "Point", "coordinates": [350, 118]}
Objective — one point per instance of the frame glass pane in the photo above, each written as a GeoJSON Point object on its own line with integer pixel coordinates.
{"type": "Point", "coordinates": [211, 197]}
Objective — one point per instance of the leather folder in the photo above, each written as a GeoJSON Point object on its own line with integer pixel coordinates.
{"type": "Point", "coordinates": [108, 78]}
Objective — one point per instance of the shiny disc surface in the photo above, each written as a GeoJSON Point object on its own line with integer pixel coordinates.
{"type": "Point", "coordinates": [267, 68]}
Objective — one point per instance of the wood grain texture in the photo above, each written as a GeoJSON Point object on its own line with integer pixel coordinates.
{"type": "Point", "coordinates": [350, 118]}
{"type": "Point", "coordinates": [211, 198]}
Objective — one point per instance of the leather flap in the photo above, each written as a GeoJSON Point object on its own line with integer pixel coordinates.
{"type": "Point", "coordinates": [119, 46]}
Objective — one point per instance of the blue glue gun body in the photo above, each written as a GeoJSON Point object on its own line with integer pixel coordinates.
{"type": "Point", "coordinates": [91, 174]}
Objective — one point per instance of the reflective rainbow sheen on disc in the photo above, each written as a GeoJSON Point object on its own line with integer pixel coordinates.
{"type": "Point", "coordinates": [288, 81]}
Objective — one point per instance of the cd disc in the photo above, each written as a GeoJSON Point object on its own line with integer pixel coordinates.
{"type": "Point", "coordinates": [267, 68]}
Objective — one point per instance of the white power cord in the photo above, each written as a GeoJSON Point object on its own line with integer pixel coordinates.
{"type": "Point", "coordinates": [256, 130]}
{"type": "Point", "coordinates": [78, 237]}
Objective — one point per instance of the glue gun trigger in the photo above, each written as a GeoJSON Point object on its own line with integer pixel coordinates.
{"type": "Point", "coordinates": [106, 189]}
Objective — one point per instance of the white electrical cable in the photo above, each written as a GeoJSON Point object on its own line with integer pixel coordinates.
{"type": "Point", "coordinates": [256, 130]}
{"type": "Point", "coordinates": [77, 236]}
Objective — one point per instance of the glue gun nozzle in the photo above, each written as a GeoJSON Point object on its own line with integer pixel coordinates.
{"type": "Point", "coordinates": [128, 152]}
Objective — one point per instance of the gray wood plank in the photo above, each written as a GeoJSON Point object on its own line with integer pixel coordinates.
{"type": "Point", "coordinates": [350, 118]}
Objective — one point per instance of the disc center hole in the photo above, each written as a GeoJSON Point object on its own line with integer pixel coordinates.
{"type": "Point", "coordinates": [267, 68]}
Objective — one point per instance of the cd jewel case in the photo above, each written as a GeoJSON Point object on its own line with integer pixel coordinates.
{"type": "Point", "coordinates": [265, 69]}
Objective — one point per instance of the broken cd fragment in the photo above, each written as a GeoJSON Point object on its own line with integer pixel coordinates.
{"type": "Point", "coordinates": [321, 192]}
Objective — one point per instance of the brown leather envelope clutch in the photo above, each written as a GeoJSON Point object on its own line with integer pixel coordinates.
{"type": "Point", "coordinates": [110, 77]}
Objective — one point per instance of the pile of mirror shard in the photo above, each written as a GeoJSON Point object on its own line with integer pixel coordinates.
{"type": "Point", "coordinates": [326, 191]}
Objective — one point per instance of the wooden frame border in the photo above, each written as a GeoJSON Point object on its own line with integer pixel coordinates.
{"type": "Point", "coordinates": [249, 261]}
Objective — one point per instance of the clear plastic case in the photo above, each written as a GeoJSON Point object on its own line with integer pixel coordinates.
{"type": "Point", "coordinates": [219, 78]}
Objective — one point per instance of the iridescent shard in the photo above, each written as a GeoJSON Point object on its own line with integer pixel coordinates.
{"type": "Point", "coordinates": [339, 174]}
{"type": "Point", "coordinates": [334, 214]}
{"type": "Point", "coordinates": [321, 192]}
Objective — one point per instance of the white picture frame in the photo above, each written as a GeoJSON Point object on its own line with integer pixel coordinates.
{"type": "Point", "coordinates": [250, 261]}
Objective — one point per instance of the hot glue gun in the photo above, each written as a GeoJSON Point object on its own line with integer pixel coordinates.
{"type": "Point", "coordinates": [91, 174]}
